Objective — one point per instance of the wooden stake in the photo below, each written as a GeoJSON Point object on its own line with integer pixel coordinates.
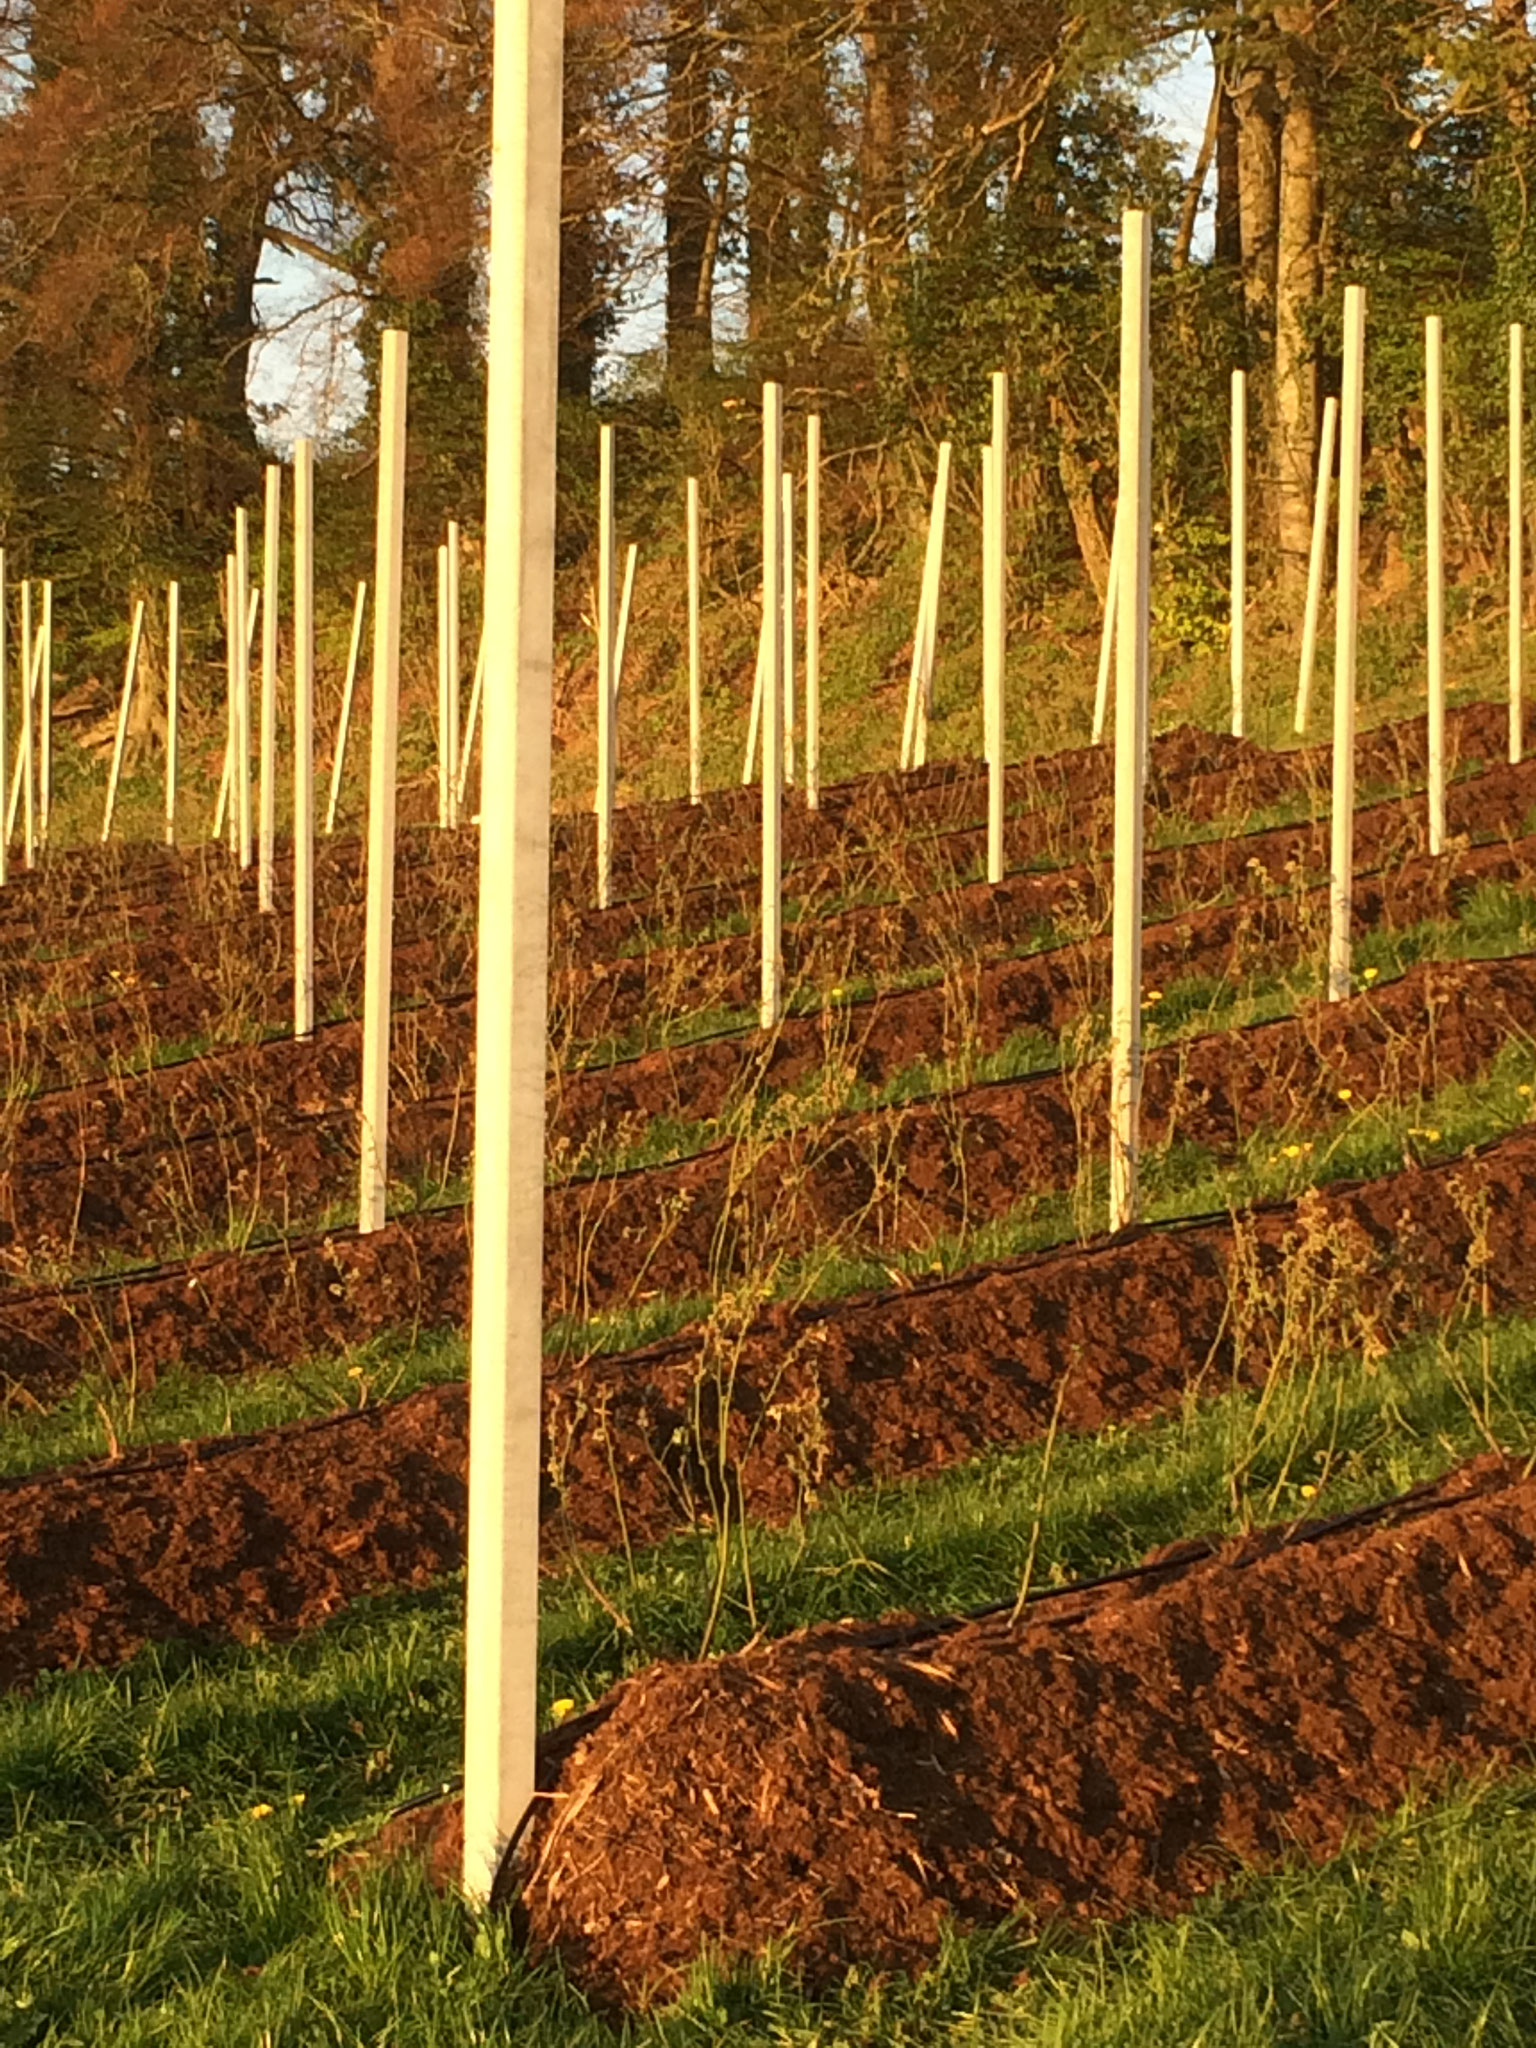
{"type": "Point", "coordinates": [271, 552]}
{"type": "Point", "coordinates": [695, 671]}
{"type": "Point", "coordinates": [813, 612]}
{"type": "Point", "coordinates": [507, 1272]}
{"type": "Point", "coordinates": [172, 704]}
{"type": "Point", "coordinates": [621, 641]}
{"type": "Point", "coordinates": [130, 672]}
{"type": "Point", "coordinates": [1107, 636]}
{"type": "Point", "coordinates": [1346, 607]}
{"type": "Point", "coordinates": [28, 816]}
{"type": "Point", "coordinates": [1516, 540]}
{"type": "Point", "coordinates": [242, 767]}
{"type": "Point", "coordinates": [45, 719]}
{"type": "Point", "coordinates": [31, 668]}
{"type": "Point", "coordinates": [470, 723]}
{"type": "Point", "coordinates": [995, 621]}
{"type": "Point", "coordinates": [772, 1007]}
{"type": "Point", "coordinates": [1434, 573]}
{"type": "Point", "coordinates": [451, 701]}
{"type": "Point", "coordinates": [5, 836]}
{"type": "Point", "coordinates": [1316, 563]}
{"type": "Point", "coordinates": [914, 738]}
{"type": "Point", "coordinates": [606, 765]}
{"type": "Point", "coordinates": [787, 544]}
{"type": "Point", "coordinates": [303, 738]}
{"type": "Point", "coordinates": [27, 777]}
{"type": "Point", "coordinates": [1239, 544]}
{"type": "Point", "coordinates": [444, 765]}
{"type": "Point", "coordinates": [1132, 665]}
{"type": "Point", "coordinates": [749, 765]}
{"type": "Point", "coordinates": [344, 723]}
{"type": "Point", "coordinates": [378, 953]}
{"type": "Point", "coordinates": [226, 780]}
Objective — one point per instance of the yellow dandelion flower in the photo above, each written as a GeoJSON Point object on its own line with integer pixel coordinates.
{"type": "Point", "coordinates": [560, 1709]}
{"type": "Point", "coordinates": [1371, 973]}
{"type": "Point", "coordinates": [260, 1811]}
{"type": "Point", "coordinates": [1346, 1095]}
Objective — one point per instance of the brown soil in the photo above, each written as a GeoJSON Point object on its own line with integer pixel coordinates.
{"type": "Point", "coordinates": [271, 1533]}
{"type": "Point", "coordinates": [225, 975]}
{"type": "Point", "coordinates": [872, 1183]}
{"type": "Point", "coordinates": [1123, 1748]}
{"type": "Point", "coordinates": [236, 1130]}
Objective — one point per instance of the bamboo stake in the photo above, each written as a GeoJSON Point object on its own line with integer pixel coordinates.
{"type": "Point", "coordinates": [1316, 563]}
{"type": "Point", "coordinates": [303, 738]}
{"type": "Point", "coordinates": [451, 650]}
{"type": "Point", "coordinates": [1346, 608]}
{"type": "Point", "coordinates": [271, 546]}
{"type": "Point", "coordinates": [172, 704]}
{"type": "Point", "coordinates": [344, 723]}
{"type": "Point", "coordinates": [373, 1175]}
{"type": "Point", "coordinates": [444, 766]}
{"type": "Point", "coordinates": [1516, 541]}
{"type": "Point", "coordinates": [914, 738]}
{"type": "Point", "coordinates": [995, 626]}
{"type": "Point", "coordinates": [28, 816]}
{"type": "Point", "coordinates": [695, 675]}
{"type": "Point", "coordinates": [229, 701]}
{"type": "Point", "coordinates": [787, 532]}
{"type": "Point", "coordinates": [1107, 636]}
{"type": "Point", "coordinates": [1239, 545]}
{"type": "Point", "coordinates": [242, 763]}
{"type": "Point", "coordinates": [474, 715]}
{"type": "Point", "coordinates": [772, 1007]}
{"type": "Point", "coordinates": [45, 719]}
{"type": "Point", "coordinates": [226, 780]}
{"type": "Point", "coordinates": [31, 669]}
{"type": "Point", "coordinates": [1132, 665]}
{"type": "Point", "coordinates": [1434, 573]}
{"type": "Point", "coordinates": [606, 766]}
{"type": "Point", "coordinates": [130, 672]}
{"type": "Point", "coordinates": [621, 641]}
{"type": "Point", "coordinates": [749, 765]}
{"type": "Point", "coordinates": [813, 612]}
{"type": "Point", "coordinates": [506, 1311]}
{"type": "Point", "coordinates": [5, 683]}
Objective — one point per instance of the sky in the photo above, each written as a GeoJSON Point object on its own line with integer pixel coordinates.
{"type": "Point", "coordinates": [306, 374]}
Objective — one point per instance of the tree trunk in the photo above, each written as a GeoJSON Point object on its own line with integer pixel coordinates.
{"type": "Point", "coordinates": [1293, 434]}
{"type": "Point", "coordinates": [1258, 189]}
{"type": "Point", "coordinates": [1229, 236]}
{"type": "Point", "coordinates": [1077, 487]}
{"type": "Point", "coordinates": [883, 40]}
{"type": "Point", "coordinates": [687, 204]}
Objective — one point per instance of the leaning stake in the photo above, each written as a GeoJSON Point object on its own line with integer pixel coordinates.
{"type": "Point", "coordinates": [378, 950]}
{"type": "Point", "coordinates": [1316, 563]}
{"type": "Point", "coordinates": [124, 706]}
{"type": "Point", "coordinates": [1341, 864]}
{"type": "Point", "coordinates": [303, 738]}
{"type": "Point", "coordinates": [1134, 522]}
{"type": "Point", "coordinates": [348, 691]}
{"type": "Point", "coordinates": [507, 1269]}
{"type": "Point", "coordinates": [1434, 575]}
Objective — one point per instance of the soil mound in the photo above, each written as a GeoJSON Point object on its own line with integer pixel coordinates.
{"type": "Point", "coordinates": [1122, 1748]}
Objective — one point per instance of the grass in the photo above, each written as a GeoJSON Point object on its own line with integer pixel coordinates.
{"type": "Point", "coordinates": [162, 1864]}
